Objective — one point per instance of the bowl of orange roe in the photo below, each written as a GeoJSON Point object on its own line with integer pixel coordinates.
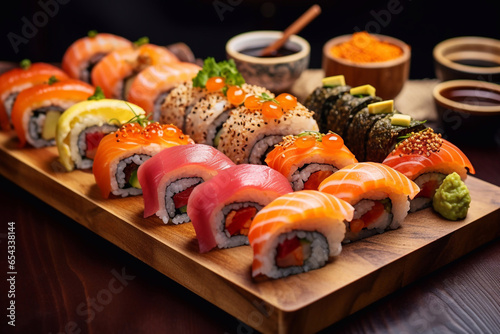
{"type": "Point", "coordinates": [363, 58]}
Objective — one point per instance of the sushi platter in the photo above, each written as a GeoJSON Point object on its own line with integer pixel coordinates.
{"type": "Point", "coordinates": [364, 272]}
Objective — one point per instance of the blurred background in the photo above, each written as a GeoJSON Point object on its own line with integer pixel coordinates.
{"type": "Point", "coordinates": [42, 30]}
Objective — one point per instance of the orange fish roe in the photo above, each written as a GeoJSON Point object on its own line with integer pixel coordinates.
{"type": "Point", "coordinates": [365, 48]}
{"type": "Point", "coordinates": [423, 143]}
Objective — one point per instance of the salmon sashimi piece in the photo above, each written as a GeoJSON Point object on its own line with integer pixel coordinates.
{"type": "Point", "coordinates": [116, 70]}
{"type": "Point", "coordinates": [243, 183]}
{"type": "Point", "coordinates": [352, 182]}
{"type": "Point", "coordinates": [177, 162]}
{"type": "Point", "coordinates": [446, 160]}
{"type": "Point", "coordinates": [63, 94]}
{"type": "Point", "coordinates": [16, 80]}
{"type": "Point", "coordinates": [131, 139]}
{"type": "Point", "coordinates": [149, 88]}
{"type": "Point", "coordinates": [84, 53]}
{"type": "Point", "coordinates": [306, 210]}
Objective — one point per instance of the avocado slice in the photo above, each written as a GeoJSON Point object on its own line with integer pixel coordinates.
{"type": "Point", "coordinates": [363, 90]}
{"type": "Point", "coordinates": [337, 80]}
{"type": "Point", "coordinates": [383, 107]}
{"type": "Point", "coordinates": [134, 180]}
{"type": "Point", "coordinates": [50, 124]}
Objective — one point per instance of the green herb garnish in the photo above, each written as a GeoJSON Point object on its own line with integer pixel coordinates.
{"type": "Point", "coordinates": [98, 94]}
{"type": "Point", "coordinates": [141, 41]}
{"type": "Point", "coordinates": [225, 69]}
{"type": "Point", "coordinates": [142, 120]}
{"type": "Point", "coordinates": [92, 33]}
{"type": "Point", "coordinates": [315, 134]}
{"type": "Point", "coordinates": [53, 80]}
{"type": "Point", "coordinates": [25, 64]}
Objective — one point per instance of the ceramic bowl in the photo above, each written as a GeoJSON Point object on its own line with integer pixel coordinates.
{"type": "Point", "coordinates": [475, 58]}
{"type": "Point", "coordinates": [388, 77]}
{"type": "Point", "coordinates": [468, 110]}
{"type": "Point", "coordinates": [275, 73]}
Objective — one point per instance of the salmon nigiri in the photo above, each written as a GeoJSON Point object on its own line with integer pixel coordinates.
{"type": "Point", "coordinates": [150, 87]}
{"type": "Point", "coordinates": [37, 109]}
{"type": "Point", "coordinates": [378, 193]}
{"type": "Point", "coordinates": [16, 80]}
{"type": "Point", "coordinates": [297, 232]}
{"type": "Point", "coordinates": [120, 154]}
{"type": "Point", "coordinates": [309, 157]}
{"type": "Point", "coordinates": [426, 159]}
{"type": "Point", "coordinates": [84, 53]}
{"type": "Point", "coordinates": [116, 71]}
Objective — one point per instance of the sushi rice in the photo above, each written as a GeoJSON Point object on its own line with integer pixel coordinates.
{"type": "Point", "coordinates": [169, 213]}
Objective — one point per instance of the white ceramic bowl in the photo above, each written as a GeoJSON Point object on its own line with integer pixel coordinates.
{"type": "Point", "coordinates": [274, 73]}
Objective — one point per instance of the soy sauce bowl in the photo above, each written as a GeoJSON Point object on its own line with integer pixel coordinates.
{"type": "Point", "coordinates": [468, 110]}
{"type": "Point", "coordinates": [276, 73]}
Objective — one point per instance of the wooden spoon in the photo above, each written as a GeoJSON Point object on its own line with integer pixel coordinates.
{"type": "Point", "coordinates": [294, 28]}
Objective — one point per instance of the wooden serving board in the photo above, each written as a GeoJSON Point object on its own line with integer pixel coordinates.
{"type": "Point", "coordinates": [364, 272]}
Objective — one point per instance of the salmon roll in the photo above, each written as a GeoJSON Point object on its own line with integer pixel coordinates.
{"type": "Point", "coordinates": [18, 79]}
{"type": "Point", "coordinates": [83, 54]}
{"type": "Point", "coordinates": [205, 120]}
{"type": "Point", "coordinates": [309, 157]}
{"type": "Point", "coordinates": [426, 158]}
{"type": "Point", "coordinates": [81, 128]}
{"type": "Point", "coordinates": [37, 109]}
{"type": "Point", "coordinates": [223, 208]}
{"type": "Point", "coordinates": [169, 177]}
{"type": "Point", "coordinates": [379, 194]}
{"type": "Point", "coordinates": [253, 129]}
{"type": "Point", "coordinates": [297, 232]}
{"type": "Point", "coordinates": [152, 85]}
{"type": "Point", "coordinates": [120, 154]}
{"type": "Point", "coordinates": [118, 69]}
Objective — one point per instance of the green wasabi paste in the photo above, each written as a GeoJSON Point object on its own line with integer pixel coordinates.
{"type": "Point", "coordinates": [452, 198]}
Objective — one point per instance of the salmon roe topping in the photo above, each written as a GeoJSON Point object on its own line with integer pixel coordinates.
{"type": "Point", "coordinates": [253, 102]}
{"type": "Point", "coordinates": [333, 141]}
{"type": "Point", "coordinates": [235, 95]}
{"type": "Point", "coordinates": [287, 101]}
{"type": "Point", "coordinates": [305, 142]}
{"type": "Point", "coordinates": [215, 83]}
{"type": "Point", "coordinates": [271, 109]}
{"type": "Point", "coordinates": [424, 142]}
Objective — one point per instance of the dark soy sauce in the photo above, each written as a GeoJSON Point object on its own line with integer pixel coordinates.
{"type": "Point", "coordinates": [473, 96]}
{"type": "Point", "coordinates": [477, 62]}
{"type": "Point", "coordinates": [283, 51]}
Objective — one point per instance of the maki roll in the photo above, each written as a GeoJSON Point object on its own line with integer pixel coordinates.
{"type": "Point", "coordinates": [253, 129]}
{"type": "Point", "coordinates": [81, 56]}
{"type": "Point", "coordinates": [309, 158]}
{"type": "Point", "coordinates": [81, 128]}
{"type": "Point", "coordinates": [117, 70]}
{"type": "Point", "coordinates": [152, 85]}
{"type": "Point", "coordinates": [37, 109]}
{"type": "Point", "coordinates": [169, 177]}
{"type": "Point", "coordinates": [297, 232]}
{"type": "Point", "coordinates": [120, 154]}
{"type": "Point", "coordinates": [378, 193]}
{"type": "Point", "coordinates": [223, 208]}
{"type": "Point", "coordinates": [426, 159]}
{"type": "Point", "coordinates": [18, 79]}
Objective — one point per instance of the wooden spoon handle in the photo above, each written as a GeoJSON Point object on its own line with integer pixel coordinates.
{"type": "Point", "coordinates": [294, 28]}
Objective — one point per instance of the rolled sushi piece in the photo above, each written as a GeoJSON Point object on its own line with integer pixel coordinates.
{"type": "Point", "coordinates": [378, 193]}
{"type": "Point", "coordinates": [223, 208]}
{"type": "Point", "coordinates": [18, 79]}
{"type": "Point", "coordinates": [117, 70]}
{"type": "Point", "coordinates": [152, 85]}
{"type": "Point", "coordinates": [83, 54]}
{"type": "Point", "coordinates": [37, 110]}
{"type": "Point", "coordinates": [309, 157]}
{"type": "Point", "coordinates": [251, 132]}
{"type": "Point", "coordinates": [208, 115]}
{"type": "Point", "coordinates": [81, 128]}
{"type": "Point", "coordinates": [297, 232]}
{"type": "Point", "coordinates": [169, 177]}
{"type": "Point", "coordinates": [332, 88]}
{"type": "Point", "coordinates": [426, 158]}
{"type": "Point", "coordinates": [120, 154]}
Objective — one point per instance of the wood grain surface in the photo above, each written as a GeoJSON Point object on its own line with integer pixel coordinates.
{"type": "Point", "coordinates": [364, 272]}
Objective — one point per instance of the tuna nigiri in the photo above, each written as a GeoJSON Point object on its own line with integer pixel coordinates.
{"type": "Point", "coordinates": [222, 208]}
{"type": "Point", "coordinates": [84, 53]}
{"type": "Point", "coordinates": [120, 154]}
{"type": "Point", "coordinates": [37, 109]}
{"type": "Point", "coordinates": [427, 159]}
{"type": "Point", "coordinates": [117, 70]}
{"type": "Point", "coordinates": [151, 86]}
{"type": "Point", "coordinates": [309, 158]}
{"type": "Point", "coordinates": [168, 178]}
{"type": "Point", "coordinates": [378, 193]}
{"type": "Point", "coordinates": [14, 81]}
{"type": "Point", "coordinates": [297, 232]}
